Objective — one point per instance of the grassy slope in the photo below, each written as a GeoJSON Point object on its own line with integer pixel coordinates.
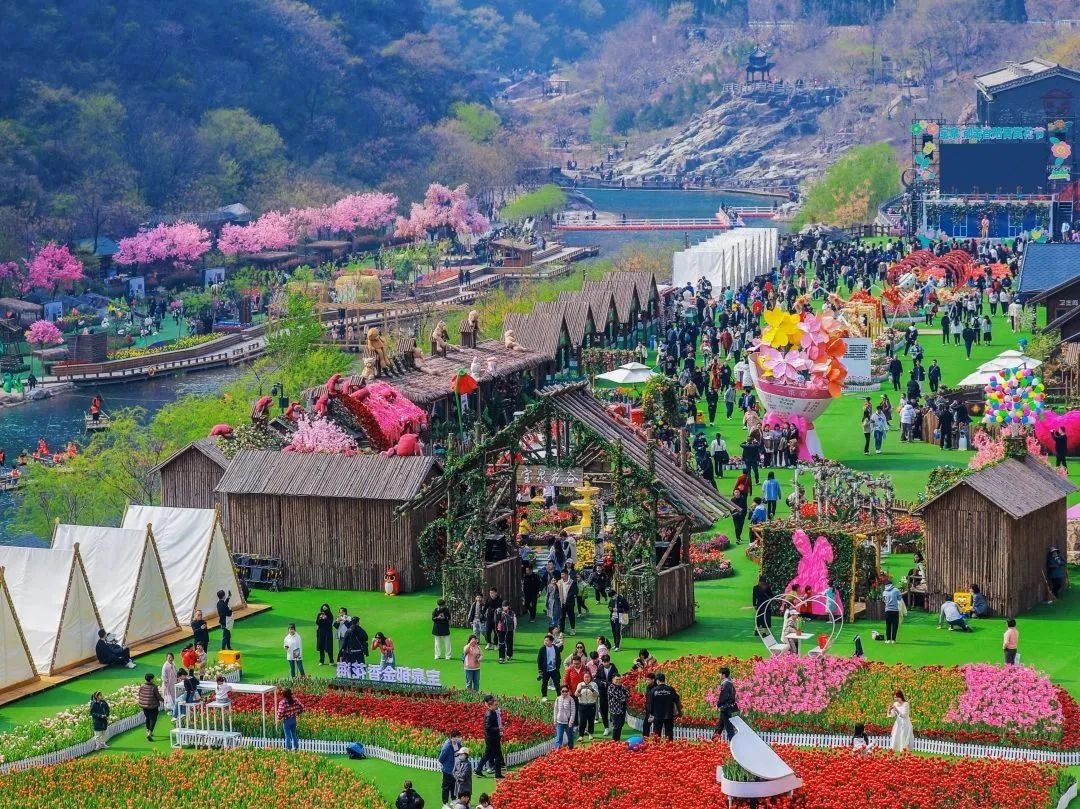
{"type": "Point", "coordinates": [724, 623]}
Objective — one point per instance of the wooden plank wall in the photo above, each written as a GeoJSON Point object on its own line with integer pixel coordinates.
{"type": "Point", "coordinates": [672, 607]}
{"type": "Point", "coordinates": [505, 577]}
{"type": "Point", "coordinates": [970, 540]}
{"type": "Point", "coordinates": [190, 480]}
{"type": "Point", "coordinates": [334, 543]}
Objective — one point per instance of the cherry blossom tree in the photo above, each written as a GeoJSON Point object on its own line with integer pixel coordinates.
{"type": "Point", "coordinates": [320, 435]}
{"type": "Point", "coordinates": [52, 267]}
{"type": "Point", "coordinates": [271, 231]}
{"type": "Point", "coordinates": [369, 211]}
{"type": "Point", "coordinates": [443, 209]}
{"type": "Point", "coordinates": [43, 333]}
{"type": "Point", "coordinates": [181, 243]}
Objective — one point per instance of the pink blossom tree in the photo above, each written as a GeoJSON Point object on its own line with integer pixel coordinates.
{"type": "Point", "coordinates": [43, 333]}
{"type": "Point", "coordinates": [451, 211]}
{"type": "Point", "coordinates": [181, 243]}
{"type": "Point", "coordinates": [368, 211]}
{"type": "Point", "coordinates": [53, 267]}
{"type": "Point", "coordinates": [320, 435]}
{"type": "Point", "coordinates": [271, 231]}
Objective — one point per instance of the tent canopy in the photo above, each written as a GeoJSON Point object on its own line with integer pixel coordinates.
{"type": "Point", "coordinates": [126, 577]}
{"type": "Point", "coordinates": [1006, 359]}
{"type": "Point", "coordinates": [52, 598]}
{"type": "Point", "coordinates": [734, 258]}
{"type": "Point", "coordinates": [632, 373]}
{"type": "Point", "coordinates": [194, 554]}
{"type": "Point", "coordinates": [16, 664]}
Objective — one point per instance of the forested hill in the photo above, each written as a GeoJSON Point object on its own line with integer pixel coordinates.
{"type": "Point", "coordinates": [176, 104]}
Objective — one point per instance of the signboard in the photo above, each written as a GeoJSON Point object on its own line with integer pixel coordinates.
{"type": "Point", "coordinates": [978, 134]}
{"type": "Point", "coordinates": [389, 674]}
{"type": "Point", "coordinates": [857, 357]}
{"type": "Point", "coordinates": [52, 310]}
{"type": "Point", "coordinates": [213, 275]}
{"type": "Point", "coordinates": [137, 287]}
{"type": "Point", "coordinates": [549, 476]}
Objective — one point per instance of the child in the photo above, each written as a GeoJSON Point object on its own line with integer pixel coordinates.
{"type": "Point", "coordinates": [188, 657]}
{"type": "Point", "coordinates": [860, 742]}
{"type": "Point", "coordinates": [200, 657]}
{"type": "Point", "coordinates": [772, 494]}
{"type": "Point", "coordinates": [223, 692]}
{"type": "Point", "coordinates": [759, 514]}
{"type": "Point", "coordinates": [485, 801]}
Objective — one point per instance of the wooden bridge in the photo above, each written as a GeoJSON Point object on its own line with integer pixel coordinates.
{"type": "Point", "coordinates": [597, 225]}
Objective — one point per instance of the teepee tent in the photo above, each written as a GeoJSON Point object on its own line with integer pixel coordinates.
{"type": "Point", "coordinates": [126, 577]}
{"type": "Point", "coordinates": [194, 553]}
{"type": "Point", "coordinates": [52, 597]}
{"type": "Point", "coordinates": [16, 665]}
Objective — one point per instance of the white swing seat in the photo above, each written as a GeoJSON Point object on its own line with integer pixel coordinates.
{"type": "Point", "coordinates": [774, 646]}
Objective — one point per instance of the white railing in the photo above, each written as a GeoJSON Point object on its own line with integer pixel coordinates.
{"type": "Point", "coordinates": [617, 224]}
{"type": "Point", "coordinates": [940, 747]}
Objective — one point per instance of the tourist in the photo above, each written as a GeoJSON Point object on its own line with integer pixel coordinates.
{"type": "Point", "coordinates": [492, 604]}
{"type": "Point", "coordinates": [987, 329]}
{"type": "Point", "coordinates": [600, 581]}
{"type": "Point", "coordinates": [471, 657]}
{"type": "Point", "coordinates": [440, 629]}
{"type": "Point", "coordinates": [729, 400]}
{"type": "Point", "coordinates": [867, 427]}
{"type": "Point", "coordinates": [879, 424]}
{"type": "Point", "coordinates": [1010, 642]}
{"type": "Point", "coordinates": [111, 653]}
{"type": "Point", "coordinates": [287, 710]}
{"type": "Point", "coordinates": [772, 494]}
{"type": "Point", "coordinates": [99, 718]}
{"type": "Point", "coordinates": [738, 513]}
{"type": "Point", "coordinates": [907, 418]}
{"type": "Point", "coordinates": [475, 618]}
{"type": "Point", "coordinates": [356, 641]}
{"type": "Point", "coordinates": [666, 705]}
{"type": "Point", "coordinates": [225, 618]}
{"type": "Point", "coordinates": [505, 626]}
{"type": "Point", "coordinates": [531, 586]}
{"type": "Point", "coordinates": [462, 772]}
{"type": "Point", "coordinates": [902, 732]}
{"type": "Point", "coordinates": [762, 594]}
{"type": "Point", "coordinates": [832, 602]}
{"type": "Point", "coordinates": [896, 368]}
{"type": "Point", "coordinates": [588, 696]}
{"type": "Point", "coordinates": [385, 647]}
{"type": "Point", "coordinates": [933, 374]}
{"type": "Point", "coordinates": [150, 700]}
{"type": "Point", "coordinates": [758, 514]}
{"type": "Point", "coordinates": [548, 663]}
{"type": "Point", "coordinates": [341, 627]}
{"type": "Point", "coordinates": [222, 690]}
{"type": "Point", "coordinates": [565, 713]}
{"type": "Point", "coordinates": [200, 657]}
{"type": "Point", "coordinates": [619, 611]}
{"type": "Point", "coordinates": [294, 652]}
{"type": "Point", "coordinates": [1015, 313]}
{"type": "Point", "coordinates": [790, 631]}
{"type": "Point", "coordinates": [462, 801]}
{"type": "Point", "coordinates": [950, 613]}
{"type": "Point", "coordinates": [493, 726]}
{"type": "Point", "coordinates": [606, 672]}
{"type": "Point", "coordinates": [894, 606]}
{"type": "Point", "coordinates": [447, 760]}
{"type": "Point", "coordinates": [1061, 447]}
{"type": "Point", "coordinates": [726, 704]}
{"type": "Point", "coordinates": [190, 681]}
{"type": "Point", "coordinates": [168, 682]}
{"type": "Point", "coordinates": [567, 595]}
{"type": "Point", "coordinates": [1055, 571]}
{"type": "Point", "coordinates": [409, 798]}
{"type": "Point", "coordinates": [980, 607]}
{"type": "Point", "coordinates": [617, 699]}
{"type": "Point", "coordinates": [860, 742]}
{"type": "Point", "coordinates": [969, 333]}
{"type": "Point", "coordinates": [751, 455]}
{"type": "Point", "coordinates": [324, 634]}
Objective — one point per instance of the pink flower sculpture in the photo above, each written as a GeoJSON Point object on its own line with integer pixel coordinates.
{"type": "Point", "coordinates": [43, 333]}
{"type": "Point", "coordinates": [813, 570]}
{"type": "Point", "coordinates": [784, 367]}
{"type": "Point", "coordinates": [814, 333]}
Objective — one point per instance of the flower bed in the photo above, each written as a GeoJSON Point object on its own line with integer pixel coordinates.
{"type": "Point", "coordinates": [402, 722]}
{"type": "Point", "coordinates": [72, 726]}
{"type": "Point", "coordinates": [176, 345]}
{"type": "Point", "coordinates": [708, 559]}
{"type": "Point", "coordinates": [1016, 706]}
{"type": "Point", "coordinates": [684, 774]}
{"type": "Point", "coordinates": [241, 778]}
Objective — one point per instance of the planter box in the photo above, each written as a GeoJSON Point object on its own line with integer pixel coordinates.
{"type": "Point", "coordinates": [757, 789]}
{"type": "Point", "coordinates": [875, 610]}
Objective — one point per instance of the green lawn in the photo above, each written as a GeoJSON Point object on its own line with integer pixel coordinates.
{"type": "Point", "coordinates": [724, 617]}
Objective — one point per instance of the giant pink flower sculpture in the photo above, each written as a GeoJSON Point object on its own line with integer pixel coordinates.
{"type": "Point", "coordinates": [784, 367]}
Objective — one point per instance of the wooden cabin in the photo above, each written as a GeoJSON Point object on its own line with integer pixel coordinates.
{"type": "Point", "coordinates": [190, 476]}
{"type": "Point", "coordinates": [995, 528]}
{"type": "Point", "coordinates": [514, 253]}
{"type": "Point", "coordinates": [331, 518]}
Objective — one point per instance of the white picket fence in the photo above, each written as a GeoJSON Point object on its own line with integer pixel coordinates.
{"type": "Point", "coordinates": [428, 763]}
{"type": "Point", "coordinates": [940, 747]}
{"type": "Point", "coordinates": [89, 746]}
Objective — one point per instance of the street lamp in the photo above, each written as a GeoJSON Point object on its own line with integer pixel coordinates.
{"type": "Point", "coordinates": [278, 390]}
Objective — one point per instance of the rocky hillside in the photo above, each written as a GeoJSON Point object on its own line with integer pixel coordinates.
{"type": "Point", "coordinates": [768, 137]}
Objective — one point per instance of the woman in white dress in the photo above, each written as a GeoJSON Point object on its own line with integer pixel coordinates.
{"type": "Point", "coordinates": [902, 732]}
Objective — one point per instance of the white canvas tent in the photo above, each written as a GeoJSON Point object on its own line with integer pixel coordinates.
{"type": "Point", "coordinates": [16, 664]}
{"type": "Point", "coordinates": [126, 577]}
{"type": "Point", "coordinates": [194, 553]}
{"type": "Point", "coordinates": [52, 597]}
{"type": "Point", "coordinates": [733, 258]}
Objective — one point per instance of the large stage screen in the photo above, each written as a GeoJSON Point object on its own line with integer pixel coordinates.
{"type": "Point", "coordinates": [991, 165]}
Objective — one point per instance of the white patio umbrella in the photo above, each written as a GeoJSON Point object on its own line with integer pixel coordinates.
{"type": "Point", "coordinates": [632, 373]}
{"type": "Point", "coordinates": [1010, 359]}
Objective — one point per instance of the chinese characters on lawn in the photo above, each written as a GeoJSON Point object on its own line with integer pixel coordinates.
{"type": "Point", "coordinates": [389, 674]}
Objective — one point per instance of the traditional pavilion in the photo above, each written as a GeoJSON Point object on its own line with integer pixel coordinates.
{"type": "Point", "coordinates": [758, 66]}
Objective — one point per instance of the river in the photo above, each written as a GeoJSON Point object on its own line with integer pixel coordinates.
{"type": "Point", "coordinates": [60, 419]}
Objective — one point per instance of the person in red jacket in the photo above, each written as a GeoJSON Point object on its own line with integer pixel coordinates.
{"type": "Point", "coordinates": [575, 674]}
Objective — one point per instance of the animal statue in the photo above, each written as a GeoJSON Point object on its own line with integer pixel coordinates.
{"type": "Point", "coordinates": [221, 431]}
{"type": "Point", "coordinates": [491, 366]}
{"type": "Point", "coordinates": [408, 444]}
{"type": "Point", "coordinates": [331, 385]}
{"type": "Point", "coordinates": [391, 586]}
{"type": "Point", "coordinates": [360, 394]}
{"type": "Point", "coordinates": [293, 411]}
{"type": "Point", "coordinates": [813, 570]}
{"type": "Point", "coordinates": [321, 404]}
{"type": "Point", "coordinates": [262, 408]}
{"type": "Point", "coordinates": [369, 373]}
{"type": "Point", "coordinates": [474, 368]}
{"type": "Point", "coordinates": [474, 321]}
{"type": "Point", "coordinates": [510, 341]}
{"type": "Point", "coordinates": [377, 344]}
{"type": "Point", "coordinates": [440, 339]}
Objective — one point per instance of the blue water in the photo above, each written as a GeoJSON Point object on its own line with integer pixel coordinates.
{"type": "Point", "coordinates": [60, 419]}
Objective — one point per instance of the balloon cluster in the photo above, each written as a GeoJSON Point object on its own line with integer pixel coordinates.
{"type": "Point", "coordinates": [1015, 398]}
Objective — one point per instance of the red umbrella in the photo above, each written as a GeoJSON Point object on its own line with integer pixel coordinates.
{"type": "Point", "coordinates": [463, 383]}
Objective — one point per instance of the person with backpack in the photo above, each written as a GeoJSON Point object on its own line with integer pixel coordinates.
{"type": "Point", "coordinates": [409, 798]}
{"type": "Point", "coordinates": [150, 700]}
{"type": "Point", "coordinates": [505, 626]}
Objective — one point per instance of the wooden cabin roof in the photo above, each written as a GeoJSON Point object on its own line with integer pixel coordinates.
{"type": "Point", "coordinates": [318, 474]}
{"type": "Point", "coordinates": [688, 492]}
{"type": "Point", "coordinates": [205, 446]}
{"type": "Point", "coordinates": [1018, 487]}
{"type": "Point", "coordinates": [644, 283]}
{"type": "Point", "coordinates": [623, 293]}
{"type": "Point", "coordinates": [576, 316]}
{"type": "Point", "coordinates": [538, 330]}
